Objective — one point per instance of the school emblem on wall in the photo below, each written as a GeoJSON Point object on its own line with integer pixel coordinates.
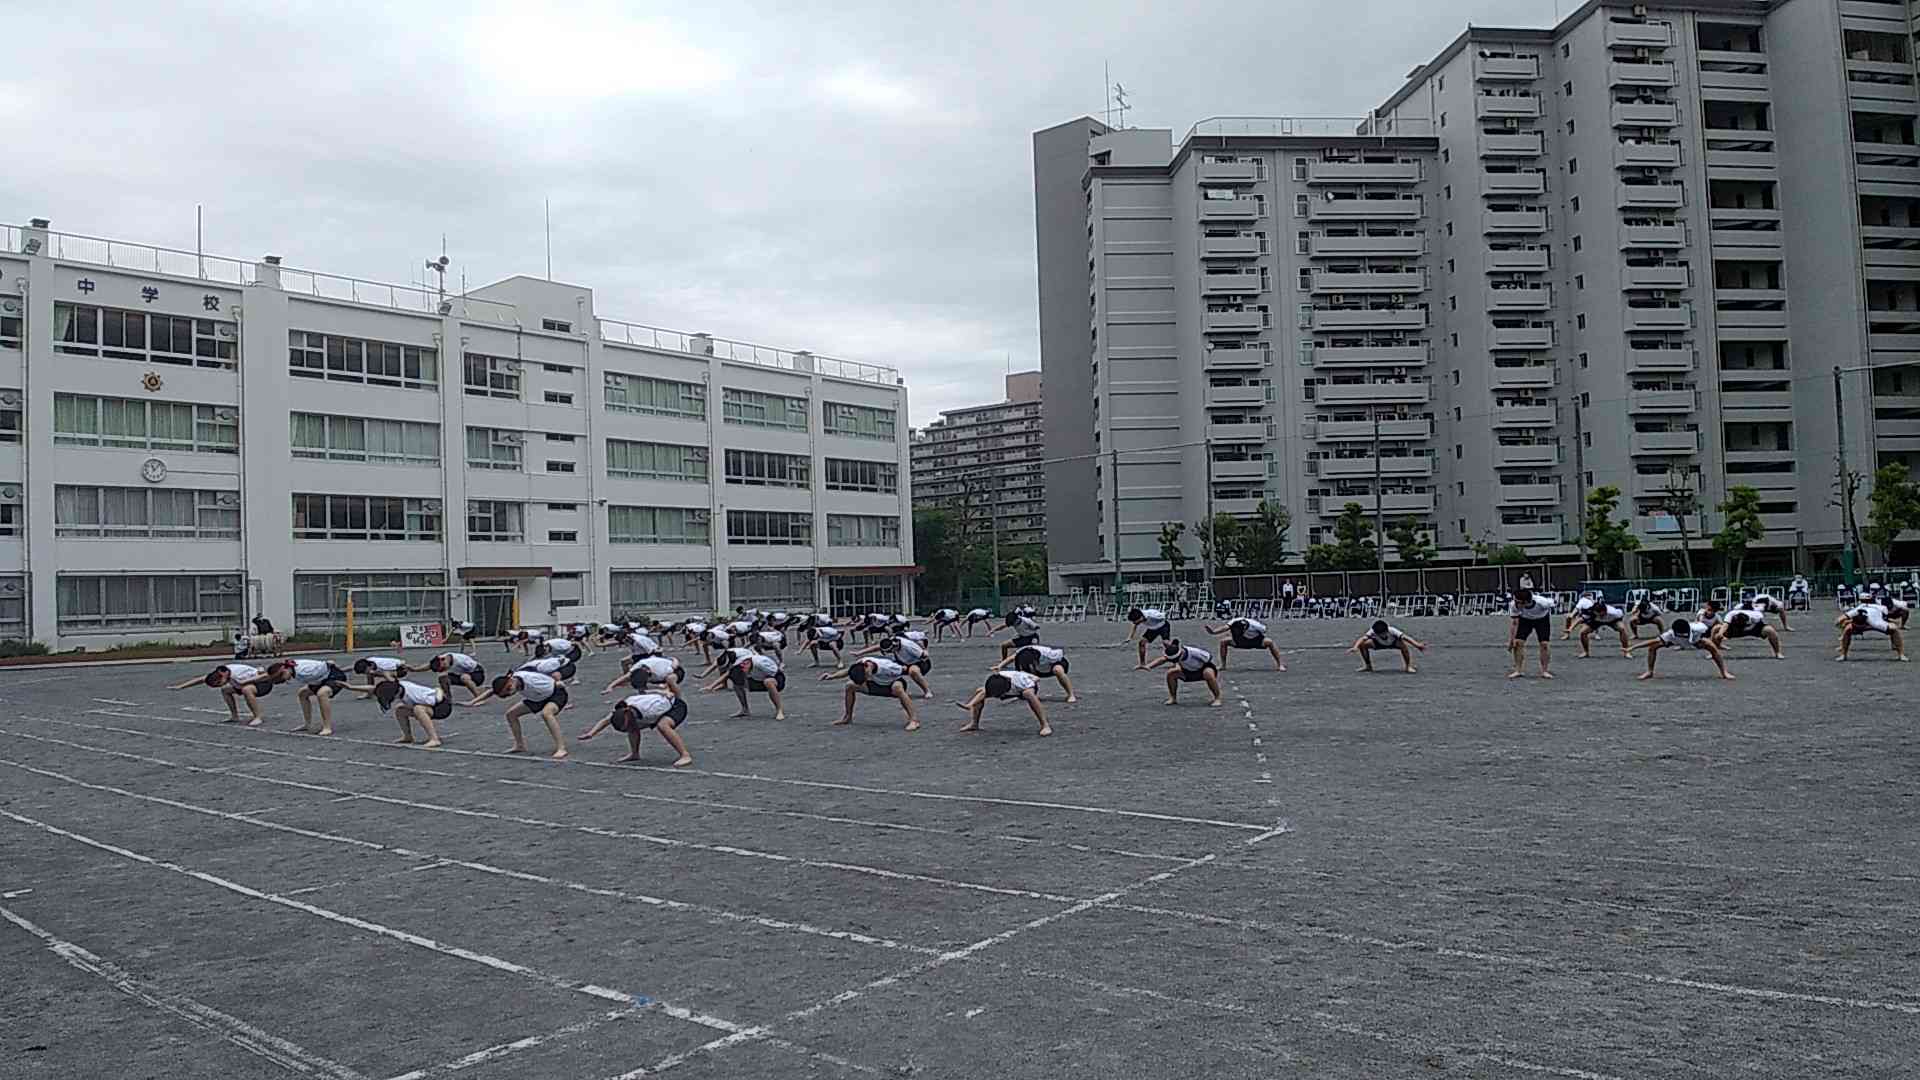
{"type": "Point", "coordinates": [152, 381]}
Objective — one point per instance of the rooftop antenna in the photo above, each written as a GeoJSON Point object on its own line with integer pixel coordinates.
{"type": "Point", "coordinates": [1106, 88]}
{"type": "Point", "coordinates": [439, 266]}
{"type": "Point", "coordinates": [1120, 103]}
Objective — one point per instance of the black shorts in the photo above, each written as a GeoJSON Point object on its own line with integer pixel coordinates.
{"type": "Point", "coordinates": [442, 710]}
{"type": "Point", "coordinates": [1025, 640]}
{"type": "Point", "coordinates": [674, 717]}
{"type": "Point", "coordinates": [1752, 630]}
{"type": "Point", "coordinates": [1154, 634]}
{"type": "Point", "coordinates": [1541, 628]}
{"type": "Point", "coordinates": [877, 690]}
{"type": "Point", "coordinates": [1040, 668]}
{"type": "Point", "coordinates": [335, 682]}
{"type": "Point", "coordinates": [1597, 625]}
{"type": "Point", "coordinates": [925, 664]}
{"type": "Point", "coordinates": [760, 685]}
{"type": "Point", "coordinates": [971, 619]}
{"type": "Point", "coordinates": [948, 622]}
{"type": "Point", "coordinates": [567, 670]}
{"type": "Point", "coordinates": [1195, 676]}
{"type": "Point", "coordinates": [262, 689]}
{"type": "Point", "coordinates": [558, 700]}
{"type": "Point", "coordinates": [1249, 641]}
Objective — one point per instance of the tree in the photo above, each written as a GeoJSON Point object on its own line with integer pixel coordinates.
{"type": "Point", "coordinates": [1495, 553]}
{"type": "Point", "coordinates": [1023, 570]}
{"type": "Point", "coordinates": [1740, 526]}
{"type": "Point", "coordinates": [1680, 498]}
{"type": "Point", "coordinates": [1322, 558]}
{"type": "Point", "coordinates": [1219, 545]}
{"type": "Point", "coordinates": [1414, 546]}
{"type": "Point", "coordinates": [1609, 540]}
{"type": "Point", "coordinates": [1170, 533]}
{"type": "Point", "coordinates": [1892, 508]}
{"type": "Point", "coordinates": [1846, 495]}
{"type": "Point", "coordinates": [1353, 546]}
{"type": "Point", "coordinates": [1260, 542]}
{"type": "Point", "coordinates": [941, 545]}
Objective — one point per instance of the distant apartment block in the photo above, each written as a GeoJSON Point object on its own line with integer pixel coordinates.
{"type": "Point", "coordinates": [985, 461]}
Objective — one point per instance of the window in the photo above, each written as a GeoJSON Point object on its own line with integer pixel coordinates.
{"type": "Point", "coordinates": [656, 461]}
{"type": "Point", "coordinates": [1580, 321]}
{"type": "Point", "coordinates": [12, 516]}
{"type": "Point", "coordinates": [769, 527]}
{"type": "Point", "coordinates": [1583, 359]}
{"type": "Point", "coordinates": [655, 591]}
{"type": "Point", "coordinates": [378, 363]}
{"type": "Point", "coordinates": [1449, 228]}
{"type": "Point", "coordinates": [9, 417]}
{"type": "Point", "coordinates": [756, 409]}
{"type": "Point", "coordinates": [559, 466]}
{"type": "Point", "coordinates": [563, 536]}
{"type": "Point", "coordinates": [855, 594]}
{"type": "Point", "coordinates": [365, 517]}
{"type": "Point", "coordinates": [492, 521]}
{"type": "Point", "coordinates": [1567, 88]}
{"type": "Point", "coordinates": [491, 376]}
{"type": "Point", "coordinates": [1566, 49]}
{"type": "Point", "coordinates": [659, 397]}
{"type": "Point", "coordinates": [1300, 206]}
{"type": "Point", "coordinates": [772, 589]}
{"type": "Point", "coordinates": [1449, 266]}
{"type": "Point", "coordinates": [1579, 281]}
{"type": "Point", "coordinates": [558, 326]}
{"type": "Point", "coordinates": [765, 469]}
{"type": "Point", "coordinates": [567, 590]}
{"type": "Point", "coordinates": [148, 337]}
{"type": "Point", "coordinates": [1447, 191]}
{"type": "Point", "coordinates": [847, 475]}
{"type": "Point", "coordinates": [658, 525]}
{"type": "Point", "coordinates": [11, 321]}
{"type": "Point", "coordinates": [559, 437]}
{"type": "Point", "coordinates": [1446, 155]}
{"type": "Point", "coordinates": [556, 369]}
{"type": "Point", "coordinates": [1299, 168]}
{"type": "Point", "coordinates": [109, 603]}
{"type": "Point", "coordinates": [555, 397]}
{"type": "Point", "coordinates": [1576, 243]}
{"type": "Point", "coordinates": [493, 448]}
{"type": "Point", "coordinates": [1569, 127]}
{"type": "Point", "coordinates": [1443, 118]}
{"type": "Point", "coordinates": [319, 600]}
{"type": "Point", "coordinates": [1574, 203]}
{"type": "Point", "coordinates": [563, 508]}
{"type": "Point", "coordinates": [1453, 303]}
{"type": "Point", "coordinates": [863, 530]}
{"type": "Point", "coordinates": [858, 421]}
{"type": "Point", "coordinates": [128, 512]}
{"type": "Point", "coordinates": [123, 423]}
{"type": "Point", "coordinates": [1302, 243]}
{"type": "Point", "coordinates": [1573, 165]}
{"type": "Point", "coordinates": [352, 438]}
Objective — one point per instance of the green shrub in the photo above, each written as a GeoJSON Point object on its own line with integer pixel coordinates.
{"type": "Point", "coordinates": [16, 647]}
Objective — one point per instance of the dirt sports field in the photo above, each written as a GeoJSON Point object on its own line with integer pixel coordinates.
{"type": "Point", "coordinates": [1335, 875]}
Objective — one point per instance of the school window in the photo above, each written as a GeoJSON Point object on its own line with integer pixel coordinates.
{"type": "Point", "coordinates": [1576, 243]}
{"type": "Point", "coordinates": [555, 397]}
{"type": "Point", "coordinates": [1573, 165]}
{"type": "Point", "coordinates": [558, 326]}
{"type": "Point", "coordinates": [319, 600]}
{"type": "Point", "coordinates": [377, 363]}
{"type": "Point", "coordinates": [365, 517]}
{"type": "Point", "coordinates": [1574, 203]}
{"type": "Point", "coordinates": [658, 525]}
{"type": "Point", "coordinates": [773, 590]}
{"type": "Point", "coordinates": [656, 461]}
{"type": "Point", "coordinates": [493, 521]}
{"type": "Point", "coordinates": [494, 448]}
{"type": "Point", "coordinates": [563, 536]}
{"type": "Point", "coordinates": [554, 466]}
{"type": "Point", "coordinates": [556, 369]}
{"type": "Point", "coordinates": [110, 603]}
{"type": "Point", "coordinates": [558, 437]}
{"type": "Point", "coordinates": [143, 336]}
{"type": "Point", "coordinates": [354, 438]}
{"type": "Point", "coordinates": [129, 512]}
{"type": "Point", "coordinates": [759, 527]}
{"type": "Point", "coordinates": [858, 421]}
{"type": "Point", "coordinates": [563, 508]}
{"type": "Point", "coordinates": [491, 376]}
{"type": "Point", "coordinates": [863, 530]}
{"type": "Point", "coordinates": [10, 416]}
{"type": "Point", "coordinates": [12, 516]}
{"type": "Point", "coordinates": [756, 409]}
{"type": "Point", "coordinates": [765, 469]}
{"type": "Point", "coordinates": [12, 310]}
{"type": "Point", "coordinates": [847, 475]}
{"type": "Point", "coordinates": [1580, 321]}
{"type": "Point", "coordinates": [657, 397]}
{"type": "Point", "coordinates": [661, 590]}
{"type": "Point", "coordinates": [567, 590]}
{"type": "Point", "coordinates": [127, 424]}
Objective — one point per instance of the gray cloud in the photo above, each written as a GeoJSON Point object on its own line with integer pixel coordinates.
{"type": "Point", "coordinates": [852, 178]}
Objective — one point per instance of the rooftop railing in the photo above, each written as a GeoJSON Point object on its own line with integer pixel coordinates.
{"type": "Point", "coordinates": [1311, 126]}
{"type": "Point", "coordinates": [654, 337]}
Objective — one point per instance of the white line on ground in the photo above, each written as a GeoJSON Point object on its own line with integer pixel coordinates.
{"type": "Point", "coordinates": [286, 1054]}
{"type": "Point", "coordinates": [15, 894]}
{"type": "Point", "coordinates": [1259, 750]}
{"type": "Point", "coordinates": [494, 1053]}
{"type": "Point", "coordinates": [436, 861]}
{"type": "Point", "coordinates": [116, 701]}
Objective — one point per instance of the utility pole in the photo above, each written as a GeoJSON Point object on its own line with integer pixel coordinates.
{"type": "Point", "coordinates": [1580, 479]}
{"type": "Point", "coordinates": [993, 530]}
{"type": "Point", "coordinates": [1845, 486]}
{"type": "Point", "coordinates": [1113, 496]}
{"type": "Point", "coordinates": [1206, 448]}
{"type": "Point", "coordinates": [1379, 513]}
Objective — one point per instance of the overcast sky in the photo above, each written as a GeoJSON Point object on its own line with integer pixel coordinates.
{"type": "Point", "coordinates": [848, 177]}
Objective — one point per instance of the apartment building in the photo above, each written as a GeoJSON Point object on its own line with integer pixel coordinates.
{"type": "Point", "coordinates": [186, 440]}
{"type": "Point", "coordinates": [986, 463]}
{"type": "Point", "coordinates": [1622, 255]}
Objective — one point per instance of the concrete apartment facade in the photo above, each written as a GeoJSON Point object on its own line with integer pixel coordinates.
{"type": "Point", "coordinates": [195, 439]}
{"type": "Point", "coordinates": [1611, 252]}
{"type": "Point", "coordinates": [986, 461]}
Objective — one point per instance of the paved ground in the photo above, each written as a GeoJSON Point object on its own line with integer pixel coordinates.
{"type": "Point", "coordinates": [1336, 875]}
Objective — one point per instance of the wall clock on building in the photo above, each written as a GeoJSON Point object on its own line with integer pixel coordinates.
{"type": "Point", "coordinates": [153, 470]}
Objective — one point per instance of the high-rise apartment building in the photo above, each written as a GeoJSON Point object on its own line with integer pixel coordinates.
{"type": "Point", "coordinates": [1616, 251]}
{"type": "Point", "coordinates": [985, 461]}
{"type": "Point", "coordinates": [185, 440]}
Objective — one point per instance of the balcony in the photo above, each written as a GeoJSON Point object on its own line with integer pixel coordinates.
{"type": "Point", "coordinates": [1363, 172]}
{"type": "Point", "coordinates": [1357, 430]}
{"type": "Point", "coordinates": [1222, 172]}
{"type": "Point", "coordinates": [1351, 355]}
{"type": "Point", "coordinates": [1652, 196]}
{"type": "Point", "coordinates": [1393, 502]}
{"type": "Point", "coordinates": [1239, 470]}
{"type": "Point", "coordinates": [1716, 79]}
{"type": "Point", "coordinates": [1653, 236]}
{"type": "Point", "coordinates": [1383, 393]}
{"type": "Point", "coordinates": [1647, 73]}
{"type": "Point", "coordinates": [1660, 401]}
{"type": "Point", "coordinates": [1645, 114]}
{"type": "Point", "coordinates": [1650, 35]}
{"type": "Point", "coordinates": [1233, 322]}
{"type": "Point", "coordinates": [1237, 432]}
{"type": "Point", "coordinates": [1654, 277]}
{"type": "Point", "coordinates": [1229, 247]}
{"type": "Point", "coordinates": [1231, 282]}
{"type": "Point", "coordinates": [1230, 209]}
{"type": "Point", "coordinates": [1500, 106]}
{"type": "Point", "coordinates": [1780, 522]}
{"type": "Point", "coordinates": [1237, 397]}
{"type": "Point", "coordinates": [1533, 455]}
{"type": "Point", "coordinates": [1643, 486]}
{"type": "Point", "coordinates": [1403, 465]}
{"type": "Point", "coordinates": [1643, 359]}
{"type": "Point", "coordinates": [1512, 416]}
{"type": "Point", "coordinates": [1520, 337]}
{"type": "Point", "coordinates": [1363, 209]}
{"type": "Point", "coordinates": [1389, 318]}
{"type": "Point", "coordinates": [1513, 183]}
{"type": "Point", "coordinates": [1216, 359]}
{"type": "Point", "coordinates": [1524, 377]}
{"type": "Point", "coordinates": [1526, 494]}
{"type": "Point", "coordinates": [1778, 404]}
{"type": "Point", "coordinates": [1663, 442]}
{"type": "Point", "coordinates": [1736, 163]}
{"type": "Point", "coordinates": [1514, 221]}
{"type": "Point", "coordinates": [1321, 247]}
{"type": "Point", "coordinates": [1530, 532]}
{"type": "Point", "coordinates": [1897, 434]}
{"type": "Point", "coordinates": [1243, 507]}
{"type": "Point", "coordinates": [1646, 155]}
{"type": "Point", "coordinates": [1663, 317]}
{"type": "Point", "coordinates": [1511, 144]}
{"type": "Point", "coordinates": [1495, 68]}
{"type": "Point", "coordinates": [1372, 281]}
{"type": "Point", "coordinates": [1523, 298]}
{"type": "Point", "coordinates": [1534, 259]}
